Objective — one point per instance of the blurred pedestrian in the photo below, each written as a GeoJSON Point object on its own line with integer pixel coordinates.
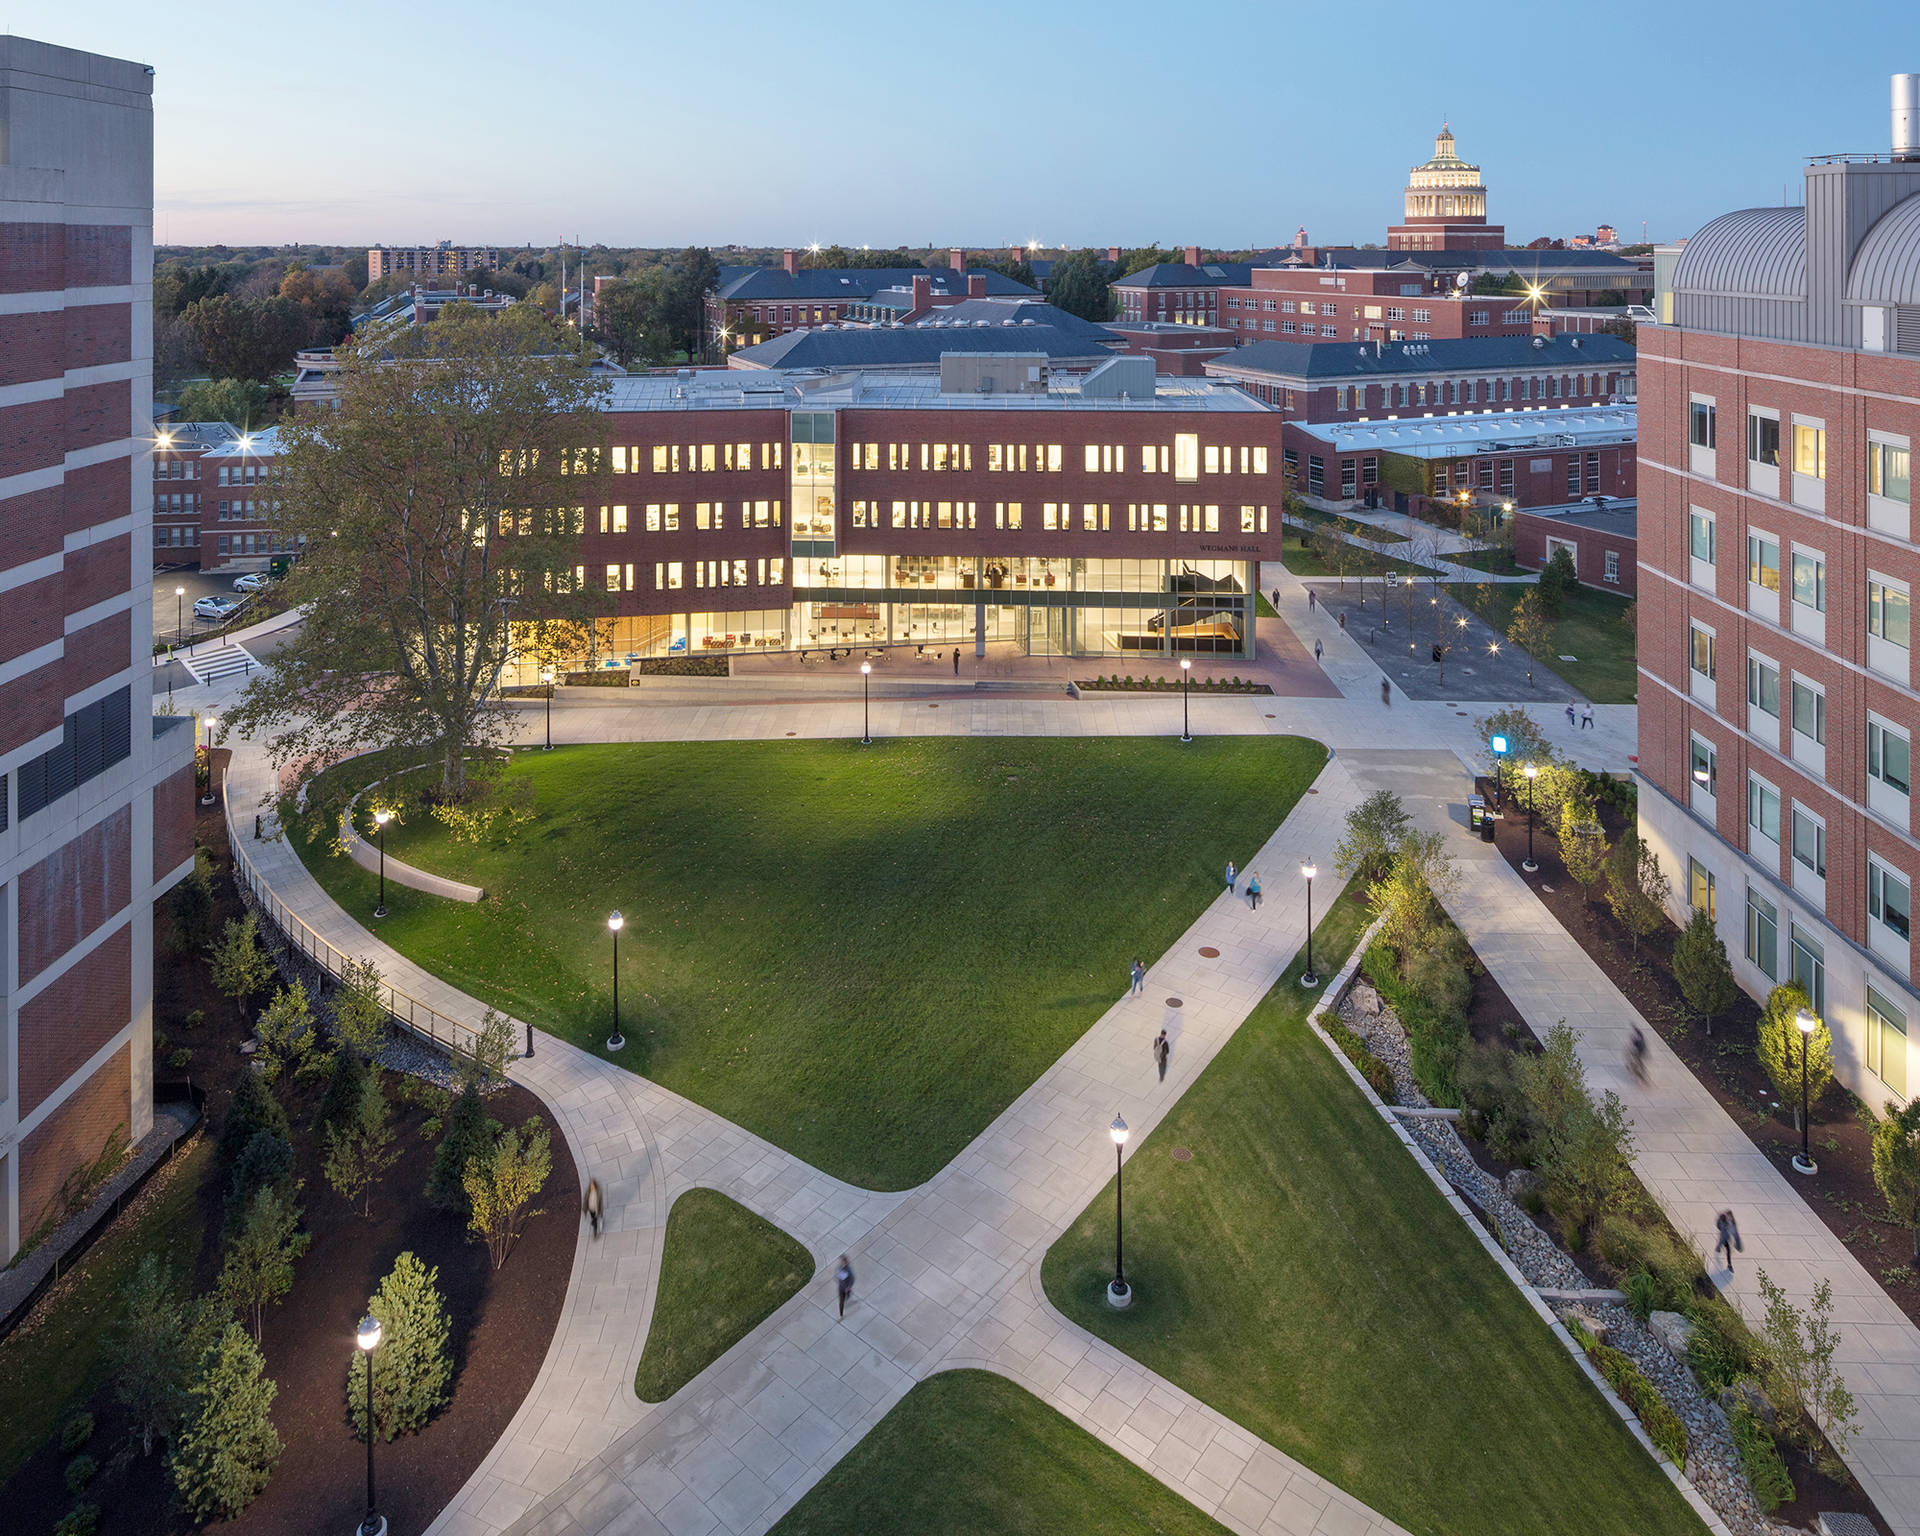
{"type": "Point", "coordinates": [1343, 621]}
{"type": "Point", "coordinates": [1637, 1054]}
{"type": "Point", "coordinates": [1233, 877]}
{"type": "Point", "coordinates": [843, 1281]}
{"type": "Point", "coordinates": [1253, 890]}
{"type": "Point", "coordinates": [1317, 650]}
{"type": "Point", "coordinates": [1162, 1050]}
{"type": "Point", "coordinates": [1386, 693]}
{"type": "Point", "coordinates": [1139, 973]}
{"type": "Point", "coordinates": [1569, 714]}
{"type": "Point", "coordinates": [956, 661]}
{"type": "Point", "coordinates": [1312, 600]}
{"type": "Point", "coordinates": [1729, 1231]}
{"type": "Point", "coordinates": [1586, 717]}
{"type": "Point", "coordinates": [591, 1205]}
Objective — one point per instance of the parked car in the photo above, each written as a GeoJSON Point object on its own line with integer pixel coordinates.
{"type": "Point", "coordinates": [253, 581]}
{"type": "Point", "coordinates": [215, 609]}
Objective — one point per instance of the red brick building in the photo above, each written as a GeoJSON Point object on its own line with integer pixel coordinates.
{"type": "Point", "coordinates": [1446, 205]}
{"type": "Point", "coordinates": [1186, 292]}
{"type": "Point", "coordinates": [992, 498]}
{"type": "Point", "coordinates": [751, 305]}
{"type": "Point", "coordinates": [1337, 303]}
{"type": "Point", "coordinates": [1601, 540]}
{"type": "Point", "coordinates": [179, 489]}
{"type": "Point", "coordinates": [1777, 695]}
{"type": "Point", "coordinates": [95, 794]}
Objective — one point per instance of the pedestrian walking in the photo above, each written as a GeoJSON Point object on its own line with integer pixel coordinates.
{"type": "Point", "coordinates": [843, 1281]}
{"type": "Point", "coordinates": [591, 1205]}
{"type": "Point", "coordinates": [1276, 599]}
{"type": "Point", "coordinates": [1569, 714]}
{"type": "Point", "coordinates": [1386, 693]}
{"type": "Point", "coordinates": [1586, 717]}
{"type": "Point", "coordinates": [1253, 891]}
{"type": "Point", "coordinates": [1233, 877]}
{"type": "Point", "coordinates": [1343, 621]}
{"type": "Point", "coordinates": [1139, 974]}
{"type": "Point", "coordinates": [956, 661]}
{"type": "Point", "coordinates": [1729, 1231]}
{"type": "Point", "coordinates": [1316, 647]}
{"type": "Point", "coordinates": [1312, 600]}
{"type": "Point", "coordinates": [1162, 1050]}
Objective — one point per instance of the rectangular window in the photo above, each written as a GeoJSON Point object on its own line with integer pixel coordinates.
{"type": "Point", "coordinates": [1763, 562]}
{"type": "Point", "coordinates": [1763, 441]}
{"type": "Point", "coordinates": [1704, 767]}
{"type": "Point", "coordinates": [1186, 456]}
{"type": "Point", "coordinates": [1889, 467]}
{"type": "Point", "coordinates": [1763, 934]}
{"type": "Point", "coordinates": [1887, 1043]}
{"type": "Point", "coordinates": [1809, 712]}
{"type": "Point", "coordinates": [1700, 424]}
{"type": "Point", "coordinates": [1888, 612]}
{"type": "Point", "coordinates": [1810, 843]}
{"type": "Point", "coordinates": [1809, 450]}
{"type": "Point", "coordinates": [1701, 654]}
{"type": "Point", "coordinates": [1809, 966]}
{"type": "Point", "coordinates": [1889, 899]}
{"type": "Point", "coordinates": [1763, 811]}
{"type": "Point", "coordinates": [1889, 757]}
{"type": "Point", "coordinates": [1810, 580]}
{"type": "Point", "coordinates": [1701, 895]}
{"type": "Point", "coordinates": [1613, 566]}
{"type": "Point", "coordinates": [1763, 686]}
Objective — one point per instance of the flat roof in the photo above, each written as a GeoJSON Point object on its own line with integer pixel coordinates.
{"type": "Point", "coordinates": [1618, 515]}
{"type": "Point", "coordinates": [788, 389]}
{"type": "Point", "coordinates": [1444, 437]}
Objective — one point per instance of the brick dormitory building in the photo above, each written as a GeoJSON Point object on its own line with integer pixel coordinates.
{"type": "Point", "coordinates": [1777, 566]}
{"type": "Point", "coordinates": [95, 794]}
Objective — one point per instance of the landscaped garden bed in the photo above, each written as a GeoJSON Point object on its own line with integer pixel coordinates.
{"type": "Point", "coordinates": [1113, 682]}
{"type": "Point", "coordinates": [1726, 1060]}
{"type": "Point", "coordinates": [61, 1374]}
{"type": "Point", "coordinates": [861, 953]}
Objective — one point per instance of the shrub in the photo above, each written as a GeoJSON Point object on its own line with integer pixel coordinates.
{"type": "Point", "coordinates": [360, 1147]}
{"type": "Point", "coordinates": [76, 1432]}
{"type": "Point", "coordinates": [239, 966]}
{"type": "Point", "coordinates": [1637, 888]}
{"type": "Point", "coordinates": [194, 1019]}
{"type": "Point", "coordinates": [484, 1059]}
{"type": "Point", "coordinates": [1557, 579]}
{"type": "Point", "coordinates": [1662, 1424]}
{"type": "Point", "coordinates": [501, 1185]}
{"type": "Point", "coordinates": [252, 1108]}
{"type": "Point", "coordinates": [286, 1031]}
{"type": "Point", "coordinates": [469, 1134]}
{"type": "Point", "coordinates": [411, 1365]}
{"type": "Point", "coordinates": [1806, 1387]}
{"type": "Point", "coordinates": [359, 1016]}
{"type": "Point", "coordinates": [1760, 1459]}
{"type": "Point", "coordinates": [266, 1162]}
{"type": "Point", "coordinates": [1433, 1055]}
{"type": "Point", "coordinates": [258, 1270]}
{"type": "Point", "coordinates": [1374, 829]}
{"type": "Point", "coordinates": [1721, 1348]}
{"type": "Point", "coordinates": [1583, 848]}
{"type": "Point", "coordinates": [1780, 1044]}
{"type": "Point", "coordinates": [1582, 1145]}
{"type": "Point", "coordinates": [80, 1472]}
{"type": "Point", "coordinates": [344, 1086]}
{"type": "Point", "coordinates": [229, 1445]}
{"type": "Point", "coordinates": [81, 1520]}
{"type": "Point", "coordinates": [154, 1345]}
{"type": "Point", "coordinates": [1378, 1075]}
{"type": "Point", "coordinates": [1643, 1293]}
{"type": "Point", "coordinates": [179, 1058]}
{"type": "Point", "coordinates": [1896, 1168]}
{"type": "Point", "coordinates": [1700, 967]}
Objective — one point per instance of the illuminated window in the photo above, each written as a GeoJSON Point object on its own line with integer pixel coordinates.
{"type": "Point", "coordinates": [660, 460]}
{"type": "Point", "coordinates": [1186, 457]}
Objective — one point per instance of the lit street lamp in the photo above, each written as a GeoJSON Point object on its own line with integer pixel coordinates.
{"type": "Point", "coordinates": [614, 924]}
{"type": "Point", "coordinates": [179, 613]}
{"type": "Point", "coordinates": [207, 798]}
{"type": "Point", "coordinates": [1803, 1160]}
{"type": "Point", "coordinates": [1532, 771]}
{"type": "Point", "coordinates": [546, 676]}
{"type": "Point", "coordinates": [866, 705]}
{"type": "Point", "coordinates": [1307, 872]}
{"type": "Point", "coordinates": [1186, 688]}
{"type": "Point", "coordinates": [1119, 1293]}
{"type": "Point", "coordinates": [367, 1338]}
{"type": "Point", "coordinates": [380, 820]}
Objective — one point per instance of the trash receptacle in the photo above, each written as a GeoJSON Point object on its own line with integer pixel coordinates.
{"type": "Point", "coordinates": [1476, 811]}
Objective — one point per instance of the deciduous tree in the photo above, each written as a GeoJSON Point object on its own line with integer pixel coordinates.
{"type": "Point", "coordinates": [1802, 1381]}
{"type": "Point", "coordinates": [1529, 628]}
{"type": "Point", "coordinates": [1637, 888]}
{"type": "Point", "coordinates": [1583, 846]}
{"type": "Point", "coordinates": [360, 1150]}
{"type": "Point", "coordinates": [238, 965]}
{"type": "Point", "coordinates": [155, 1346]}
{"type": "Point", "coordinates": [1375, 828]}
{"type": "Point", "coordinates": [1079, 285]}
{"type": "Point", "coordinates": [1896, 1167]}
{"type": "Point", "coordinates": [501, 1185]}
{"type": "Point", "coordinates": [438, 508]}
{"type": "Point", "coordinates": [258, 1269]}
{"type": "Point", "coordinates": [286, 1031]}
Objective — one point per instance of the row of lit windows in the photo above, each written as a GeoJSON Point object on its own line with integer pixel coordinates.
{"type": "Point", "coordinates": [704, 516]}
{"type": "Point", "coordinates": [671, 575]}
{"type": "Point", "coordinates": [176, 469]}
{"type": "Point", "coordinates": [701, 458]}
{"type": "Point", "coordinates": [1056, 516]}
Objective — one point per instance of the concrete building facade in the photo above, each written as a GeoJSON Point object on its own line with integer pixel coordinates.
{"type": "Point", "coordinates": [95, 794]}
{"type": "Point", "coordinates": [1777, 696]}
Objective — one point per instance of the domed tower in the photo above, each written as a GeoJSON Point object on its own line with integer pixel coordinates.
{"type": "Point", "coordinates": [1446, 206]}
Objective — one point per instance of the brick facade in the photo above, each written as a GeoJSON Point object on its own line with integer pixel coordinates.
{"type": "Point", "coordinates": [73, 890]}
{"type": "Point", "coordinates": [73, 1016]}
{"type": "Point", "coordinates": [73, 1135]}
{"type": "Point", "coordinates": [1591, 547]}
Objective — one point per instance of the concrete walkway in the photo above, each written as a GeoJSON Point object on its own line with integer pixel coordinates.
{"type": "Point", "coordinates": [1690, 1154]}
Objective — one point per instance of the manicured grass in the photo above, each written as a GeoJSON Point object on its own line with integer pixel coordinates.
{"type": "Point", "coordinates": [1498, 562]}
{"type": "Point", "coordinates": [862, 954]}
{"type": "Point", "coordinates": [1592, 626]}
{"type": "Point", "coordinates": [1309, 563]}
{"type": "Point", "coordinates": [722, 1272]}
{"type": "Point", "coordinates": [968, 1453]}
{"type": "Point", "coordinates": [52, 1368]}
{"type": "Point", "coordinates": [1303, 1276]}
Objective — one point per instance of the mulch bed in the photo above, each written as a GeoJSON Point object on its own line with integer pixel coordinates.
{"type": "Point", "coordinates": [1842, 1193]}
{"type": "Point", "coordinates": [502, 1321]}
{"type": "Point", "coordinates": [1491, 1016]}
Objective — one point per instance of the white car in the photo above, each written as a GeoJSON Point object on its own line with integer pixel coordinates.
{"type": "Point", "coordinates": [253, 581]}
{"type": "Point", "coordinates": [215, 608]}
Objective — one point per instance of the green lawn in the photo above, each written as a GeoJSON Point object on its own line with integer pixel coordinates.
{"type": "Point", "coordinates": [1498, 562]}
{"type": "Point", "coordinates": [1592, 627]}
{"type": "Point", "coordinates": [1305, 562]}
{"type": "Point", "coordinates": [723, 1271]}
{"type": "Point", "coordinates": [53, 1368]}
{"type": "Point", "coordinates": [862, 954]}
{"type": "Point", "coordinates": [1353, 525]}
{"type": "Point", "coordinates": [968, 1453]}
{"type": "Point", "coordinates": [1302, 1275]}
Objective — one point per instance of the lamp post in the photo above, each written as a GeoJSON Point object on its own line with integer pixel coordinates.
{"type": "Point", "coordinates": [1532, 771]}
{"type": "Point", "coordinates": [1186, 688]}
{"type": "Point", "coordinates": [179, 613]}
{"type": "Point", "coordinates": [207, 798]}
{"type": "Point", "coordinates": [866, 705]}
{"type": "Point", "coordinates": [367, 1338]}
{"type": "Point", "coordinates": [1307, 872]}
{"type": "Point", "coordinates": [1119, 1293]}
{"type": "Point", "coordinates": [1803, 1160]}
{"type": "Point", "coordinates": [614, 924]}
{"type": "Point", "coordinates": [380, 820]}
{"type": "Point", "coordinates": [546, 676]}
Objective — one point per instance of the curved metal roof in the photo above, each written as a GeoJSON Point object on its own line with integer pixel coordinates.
{"type": "Point", "coordinates": [1886, 270]}
{"type": "Point", "coordinates": [1756, 252]}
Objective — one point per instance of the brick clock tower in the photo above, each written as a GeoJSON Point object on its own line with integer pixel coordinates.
{"type": "Point", "coordinates": [1446, 207]}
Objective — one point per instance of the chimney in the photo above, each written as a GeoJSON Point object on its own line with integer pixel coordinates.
{"type": "Point", "coordinates": [1016, 253]}
{"type": "Point", "coordinates": [976, 285]}
{"type": "Point", "coordinates": [922, 293]}
{"type": "Point", "coordinates": [1193, 255]}
{"type": "Point", "coordinates": [1113, 255]}
{"type": "Point", "coordinates": [1906, 117]}
{"type": "Point", "coordinates": [790, 262]}
{"type": "Point", "coordinates": [957, 259]}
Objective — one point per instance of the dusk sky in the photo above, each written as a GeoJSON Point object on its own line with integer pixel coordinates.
{"type": "Point", "coordinates": [1125, 123]}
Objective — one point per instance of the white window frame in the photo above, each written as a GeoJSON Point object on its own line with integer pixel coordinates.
{"type": "Point", "coordinates": [1761, 721]}
{"type": "Point", "coordinates": [1884, 799]}
{"type": "Point", "coordinates": [1756, 818]}
{"type": "Point", "coordinates": [1762, 599]}
{"type": "Point", "coordinates": [1809, 876]}
{"type": "Point", "coordinates": [1808, 619]}
{"type": "Point", "coordinates": [1884, 938]}
{"type": "Point", "coordinates": [1701, 571]}
{"type": "Point", "coordinates": [1809, 748]}
{"type": "Point", "coordinates": [1809, 490]}
{"type": "Point", "coordinates": [1703, 457]}
{"type": "Point", "coordinates": [1768, 967]}
{"type": "Point", "coordinates": [1701, 685]}
{"type": "Point", "coordinates": [1703, 798]}
{"type": "Point", "coordinates": [1764, 479]}
{"type": "Point", "coordinates": [1889, 514]}
{"type": "Point", "coordinates": [1888, 657]}
{"type": "Point", "coordinates": [1886, 1023]}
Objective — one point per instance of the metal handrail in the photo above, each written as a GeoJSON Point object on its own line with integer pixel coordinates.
{"type": "Point", "coordinates": [422, 1018]}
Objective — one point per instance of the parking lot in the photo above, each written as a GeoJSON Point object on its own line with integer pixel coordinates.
{"type": "Point", "coordinates": [166, 606]}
